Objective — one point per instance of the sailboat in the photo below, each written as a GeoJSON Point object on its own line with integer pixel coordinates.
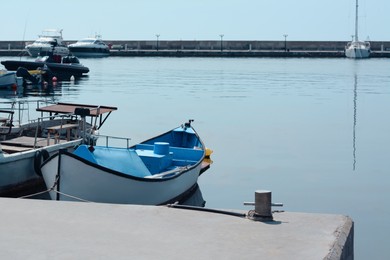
{"type": "Point", "coordinates": [357, 49]}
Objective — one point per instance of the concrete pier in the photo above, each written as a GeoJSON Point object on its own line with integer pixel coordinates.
{"type": "Point", "coordinates": [38, 229]}
{"type": "Point", "coordinates": [314, 49]}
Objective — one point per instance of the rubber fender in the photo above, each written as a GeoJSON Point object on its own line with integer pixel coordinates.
{"type": "Point", "coordinates": [40, 156]}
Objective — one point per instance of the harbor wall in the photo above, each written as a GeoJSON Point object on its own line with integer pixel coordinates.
{"type": "Point", "coordinates": [215, 48]}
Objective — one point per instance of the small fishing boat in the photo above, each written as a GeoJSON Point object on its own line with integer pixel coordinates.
{"type": "Point", "coordinates": [49, 41]}
{"type": "Point", "coordinates": [9, 80]}
{"type": "Point", "coordinates": [92, 47]}
{"type": "Point", "coordinates": [61, 67]}
{"type": "Point", "coordinates": [24, 143]}
{"type": "Point", "coordinates": [154, 172]}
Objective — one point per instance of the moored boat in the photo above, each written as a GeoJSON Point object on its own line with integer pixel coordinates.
{"type": "Point", "coordinates": [61, 67]}
{"type": "Point", "coordinates": [157, 171]}
{"type": "Point", "coordinates": [90, 47]}
{"type": "Point", "coordinates": [26, 142]}
{"type": "Point", "coordinates": [10, 81]}
{"type": "Point", "coordinates": [357, 49]}
{"type": "Point", "coordinates": [49, 41]}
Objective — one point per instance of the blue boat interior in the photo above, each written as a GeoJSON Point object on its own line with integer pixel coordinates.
{"type": "Point", "coordinates": [145, 160]}
{"type": "Point", "coordinates": [179, 137]}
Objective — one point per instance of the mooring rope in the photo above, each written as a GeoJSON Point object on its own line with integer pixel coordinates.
{"type": "Point", "coordinates": [52, 189]}
{"type": "Point", "coordinates": [71, 196]}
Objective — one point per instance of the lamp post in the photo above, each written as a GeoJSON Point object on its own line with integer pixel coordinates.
{"type": "Point", "coordinates": [157, 36]}
{"type": "Point", "coordinates": [285, 42]}
{"type": "Point", "coordinates": [221, 35]}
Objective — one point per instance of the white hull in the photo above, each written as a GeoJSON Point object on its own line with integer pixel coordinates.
{"type": "Point", "coordinates": [81, 181]}
{"type": "Point", "coordinates": [17, 168]}
{"type": "Point", "coordinates": [358, 50]}
{"type": "Point", "coordinates": [37, 50]}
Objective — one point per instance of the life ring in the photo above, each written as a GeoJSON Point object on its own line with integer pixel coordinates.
{"type": "Point", "coordinates": [40, 156]}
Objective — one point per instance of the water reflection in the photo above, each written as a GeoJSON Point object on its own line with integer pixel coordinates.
{"type": "Point", "coordinates": [354, 121]}
{"type": "Point", "coordinates": [194, 198]}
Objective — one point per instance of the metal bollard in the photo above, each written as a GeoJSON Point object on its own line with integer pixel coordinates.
{"type": "Point", "coordinates": [262, 205]}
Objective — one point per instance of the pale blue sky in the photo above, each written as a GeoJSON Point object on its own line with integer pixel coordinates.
{"type": "Point", "coordinates": [196, 20]}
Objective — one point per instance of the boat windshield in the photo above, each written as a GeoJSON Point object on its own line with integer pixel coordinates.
{"type": "Point", "coordinates": [86, 41]}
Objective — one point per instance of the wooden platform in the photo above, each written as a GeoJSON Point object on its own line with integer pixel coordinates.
{"type": "Point", "coordinates": [23, 142]}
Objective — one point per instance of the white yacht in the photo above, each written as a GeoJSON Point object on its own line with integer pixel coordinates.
{"type": "Point", "coordinates": [50, 41]}
{"type": "Point", "coordinates": [90, 47]}
{"type": "Point", "coordinates": [357, 49]}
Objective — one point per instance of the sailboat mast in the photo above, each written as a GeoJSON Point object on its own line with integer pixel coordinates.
{"type": "Point", "coordinates": [356, 21]}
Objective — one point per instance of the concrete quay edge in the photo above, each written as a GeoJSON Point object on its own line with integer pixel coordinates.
{"type": "Point", "coordinates": [37, 229]}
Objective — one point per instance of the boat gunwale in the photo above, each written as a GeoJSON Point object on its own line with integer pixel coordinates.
{"type": "Point", "coordinates": [120, 174]}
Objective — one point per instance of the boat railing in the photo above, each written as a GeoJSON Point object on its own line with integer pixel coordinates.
{"type": "Point", "coordinates": [22, 109]}
{"type": "Point", "coordinates": [107, 139]}
{"type": "Point", "coordinates": [6, 122]}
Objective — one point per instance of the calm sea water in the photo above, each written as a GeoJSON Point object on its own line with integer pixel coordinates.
{"type": "Point", "coordinates": [316, 132]}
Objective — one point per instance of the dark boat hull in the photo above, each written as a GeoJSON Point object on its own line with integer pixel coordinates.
{"type": "Point", "coordinates": [61, 71]}
{"type": "Point", "coordinates": [89, 52]}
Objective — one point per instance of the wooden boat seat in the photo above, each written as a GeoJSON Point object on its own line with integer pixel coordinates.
{"type": "Point", "coordinates": [68, 127]}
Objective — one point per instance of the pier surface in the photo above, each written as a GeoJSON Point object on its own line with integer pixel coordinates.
{"type": "Point", "coordinates": [39, 229]}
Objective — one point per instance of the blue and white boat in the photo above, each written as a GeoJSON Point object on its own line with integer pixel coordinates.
{"type": "Point", "coordinates": [9, 80]}
{"type": "Point", "coordinates": [157, 171]}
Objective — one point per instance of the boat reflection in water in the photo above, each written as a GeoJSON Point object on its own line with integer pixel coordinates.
{"type": "Point", "coordinates": [194, 198]}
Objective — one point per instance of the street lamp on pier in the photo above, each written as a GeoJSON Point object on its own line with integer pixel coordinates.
{"type": "Point", "coordinates": [221, 35]}
{"type": "Point", "coordinates": [157, 36]}
{"type": "Point", "coordinates": [285, 42]}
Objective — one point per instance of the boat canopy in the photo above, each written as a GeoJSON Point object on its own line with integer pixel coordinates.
{"type": "Point", "coordinates": [86, 110]}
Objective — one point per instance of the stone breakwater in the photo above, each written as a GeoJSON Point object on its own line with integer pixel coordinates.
{"type": "Point", "coordinates": [218, 48]}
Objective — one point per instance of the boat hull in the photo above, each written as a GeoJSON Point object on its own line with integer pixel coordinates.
{"type": "Point", "coordinates": [17, 168]}
{"type": "Point", "coordinates": [9, 80]}
{"type": "Point", "coordinates": [82, 181]}
{"type": "Point", "coordinates": [357, 53]}
{"type": "Point", "coordinates": [89, 52]}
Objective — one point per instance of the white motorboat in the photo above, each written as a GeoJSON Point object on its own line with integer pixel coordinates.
{"type": "Point", "coordinates": [9, 80]}
{"type": "Point", "coordinates": [26, 142]}
{"type": "Point", "coordinates": [90, 47]}
{"type": "Point", "coordinates": [50, 41]}
{"type": "Point", "coordinates": [357, 49]}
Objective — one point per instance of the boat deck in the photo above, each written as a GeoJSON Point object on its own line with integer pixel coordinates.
{"type": "Point", "coordinates": [25, 143]}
